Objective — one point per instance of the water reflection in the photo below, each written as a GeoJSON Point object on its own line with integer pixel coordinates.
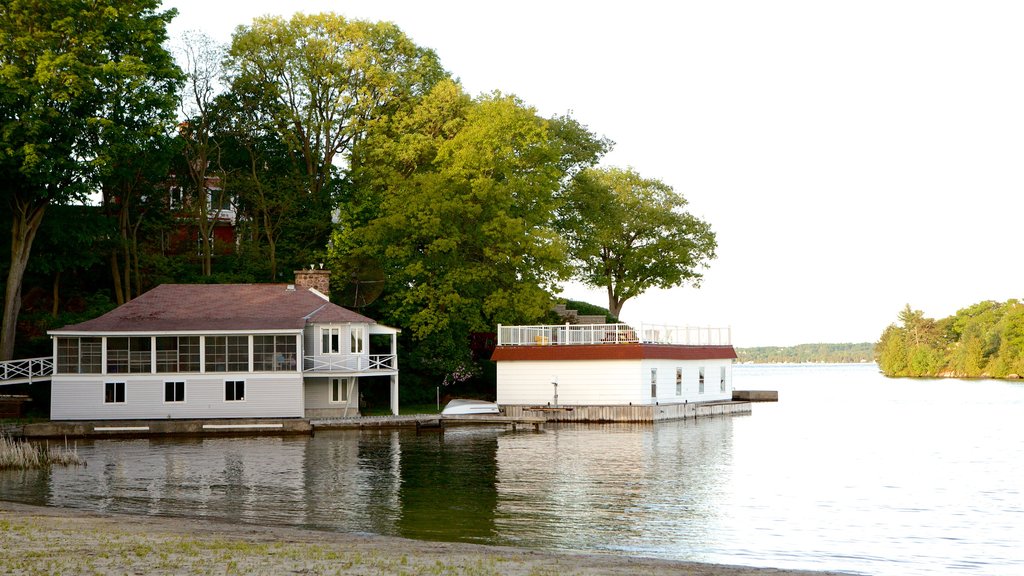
{"type": "Point", "coordinates": [572, 487]}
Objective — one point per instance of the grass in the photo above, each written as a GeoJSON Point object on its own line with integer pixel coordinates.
{"type": "Point", "coordinates": [19, 454]}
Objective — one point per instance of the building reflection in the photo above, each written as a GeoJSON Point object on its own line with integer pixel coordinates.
{"type": "Point", "coordinates": [611, 487]}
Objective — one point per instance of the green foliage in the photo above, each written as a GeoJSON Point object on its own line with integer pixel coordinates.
{"type": "Point", "coordinates": [629, 234]}
{"type": "Point", "coordinates": [455, 201]}
{"type": "Point", "coordinates": [982, 340]}
{"type": "Point", "coordinates": [830, 353]}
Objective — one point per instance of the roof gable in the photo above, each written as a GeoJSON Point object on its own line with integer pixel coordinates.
{"type": "Point", "coordinates": [209, 307]}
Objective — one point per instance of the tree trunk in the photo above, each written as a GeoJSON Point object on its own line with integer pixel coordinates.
{"type": "Point", "coordinates": [115, 271]}
{"type": "Point", "coordinates": [614, 304]}
{"type": "Point", "coordinates": [56, 294]}
{"type": "Point", "coordinates": [25, 223]}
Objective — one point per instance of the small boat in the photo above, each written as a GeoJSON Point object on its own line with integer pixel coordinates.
{"type": "Point", "coordinates": [462, 407]}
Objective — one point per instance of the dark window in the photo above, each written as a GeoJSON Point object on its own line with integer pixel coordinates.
{"type": "Point", "coordinates": [113, 393]}
{"type": "Point", "coordinates": [174, 391]}
{"type": "Point", "coordinates": [234, 390]}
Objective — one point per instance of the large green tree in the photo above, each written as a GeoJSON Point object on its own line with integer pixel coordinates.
{"type": "Point", "coordinates": [320, 82]}
{"type": "Point", "coordinates": [72, 75]}
{"type": "Point", "coordinates": [456, 197]}
{"type": "Point", "coordinates": [628, 234]}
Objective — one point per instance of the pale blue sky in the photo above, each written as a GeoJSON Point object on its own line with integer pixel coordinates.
{"type": "Point", "coordinates": [852, 157]}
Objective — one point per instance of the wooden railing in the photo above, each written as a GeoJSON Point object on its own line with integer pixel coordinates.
{"type": "Point", "coordinates": [350, 363]}
{"type": "Point", "coordinates": [26, 370]}
{"type": "Point", "coordinates": [588, 334]}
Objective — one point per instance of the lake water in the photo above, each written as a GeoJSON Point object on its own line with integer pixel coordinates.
{"type": "Point", "coordinates": [850, 471]}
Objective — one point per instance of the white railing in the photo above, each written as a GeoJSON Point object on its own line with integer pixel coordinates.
{"type": "Point", "coordinates": [350, 363]}
{"type": "Point", "coordinates": [586, 334]}
{"type": "Point", "coordinates": [26, 370]}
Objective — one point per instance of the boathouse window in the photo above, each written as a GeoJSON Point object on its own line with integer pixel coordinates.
{"type": "Point", "coordinates": [339, 390]}
{"type": "Point", "coordinates": [700, 381]}
{"type": "Point", "coordinates": [273, 353]}
{"type": "Point", "coordinates": [234, 390]}
{"type": "Point", "coordinates": [177, 353]}
{"type": "Point", "coordinates": [128, 355]}
{"type": "Point", "coordinates": [357, 340]}
{"type": "Point", "coordinates": [216, 353]}
{"type": "Point", "coordinates": [113, 393]}
{"type": "Point", "coordinates": [679, 381]}
{"type": "Point", "coordinates": [238, 353]}
{"type": "Point", "coordinates": [330, 340]}
{"type": "Point", "coordinates": [654, 382]}
{"type": "Point", "coordinates": [79, 355]}
{"type": "Point", "coordinates": [227, 353]}
{"type": "Point", "coordinates": [174, 391]}
{"type": "Point", "coordinates": [721, 378]}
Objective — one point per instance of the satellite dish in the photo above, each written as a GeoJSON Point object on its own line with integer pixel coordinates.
{"type": "Point", "coordinates": [364, 282]}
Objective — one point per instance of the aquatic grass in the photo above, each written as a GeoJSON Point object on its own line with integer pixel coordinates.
{"type": "Point", "coordinates": [21, 455]}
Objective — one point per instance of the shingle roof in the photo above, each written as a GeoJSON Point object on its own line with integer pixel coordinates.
{"type": "Point", "coordinates": [204, 307]}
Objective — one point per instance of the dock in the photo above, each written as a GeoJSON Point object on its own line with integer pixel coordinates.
{"type": "Point", "coordinates": [424, 421]}
{"type": "Point", "coordinates": [257, 426]}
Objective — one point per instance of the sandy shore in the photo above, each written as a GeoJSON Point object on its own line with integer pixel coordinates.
{"type": "Point", "coordinates": [41, 540]}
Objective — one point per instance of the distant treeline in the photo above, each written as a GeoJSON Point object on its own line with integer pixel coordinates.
{"type": "Point", "coordinates": [831, 353]}
{"type": "Point", "coordinates": [984, 340]}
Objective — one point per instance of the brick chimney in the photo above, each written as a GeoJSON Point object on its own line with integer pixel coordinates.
{"type": "Point", "coordinates": [319, 280]}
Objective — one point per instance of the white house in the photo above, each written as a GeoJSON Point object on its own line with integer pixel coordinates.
{"type": "Point", "coordinates": [612, 365]}
{"type": "Point", "coordinates": [222, 351]}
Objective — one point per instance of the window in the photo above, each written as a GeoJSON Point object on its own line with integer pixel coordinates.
{"type": "Point", "coordinates": [238, 353]}
{"type": "Point", "coordinates": [140, 351]}
{"type": "Point", "coordinates": [339, 390]}
{"type": "Point", "coordinates": [177, 354]}
{"type": "Point", "coordinates": [113, 393]}
{"type": "Point", "coordinates": [330, 340]}
{"type": "Point", "coordinates": [357, 340]}
{"type": "Point", "coordinates": [79, 355]}
{"type": "Point", "coordinates": [700, 381]}
{"type": "Point", "coordinates": [679, 381]}
{"type": "Point", "coordinates": [117, 355]}
{"type": "Point", "coordinates": [216, 354]}
{"type": "Point", "coordinates": [721, 377]}
{"type": "Point", "coordinates": [174, 391]}
{"type": "Point", "coordinates": [273, 353]}
{"type": "Point", "coordinates": [654, 382]}
{"type": "Point", "coordinates": [234, 390]}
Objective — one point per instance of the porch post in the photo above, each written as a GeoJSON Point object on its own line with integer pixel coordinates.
{"type": "Point", "coordinates": [394, 394]}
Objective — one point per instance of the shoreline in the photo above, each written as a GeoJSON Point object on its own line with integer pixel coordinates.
{"type": "Point", "coordinates": [42, 539]}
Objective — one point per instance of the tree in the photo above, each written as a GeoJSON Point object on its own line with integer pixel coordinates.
{"type": "Point", "coordinates": [320, 82]}
{"type": "Point", "coordinates": [455, 199]}
{"type": "Point", "coordinates": [200, 145]}
{"type": "Point", "coordinates": [68, 73]}
{"type": "Point", "coordinates": [629, 234]}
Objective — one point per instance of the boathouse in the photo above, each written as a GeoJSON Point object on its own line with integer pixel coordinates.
{"type": "Point", "coordinates": [614, 372]}
{"type": "Point", "coordinates": [189, 351]}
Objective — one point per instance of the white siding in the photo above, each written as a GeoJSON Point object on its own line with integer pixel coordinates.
{"type": "Point", "coordinates": [579, 382]}
{"type": "Point", "coordinates": [691, 380]}
{"type": "Point", "coordinates": [79, 397]}
{"type": "Point", "coordinates": [608, 382]}
{"type": "Point", "coordinates": [318, 394]}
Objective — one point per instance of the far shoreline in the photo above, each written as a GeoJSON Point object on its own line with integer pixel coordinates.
{"type": "Point", "coordinates": [54, 539]}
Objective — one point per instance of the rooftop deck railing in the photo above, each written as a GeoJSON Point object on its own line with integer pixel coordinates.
{"type": "Point", "coordinates": [599, 334]}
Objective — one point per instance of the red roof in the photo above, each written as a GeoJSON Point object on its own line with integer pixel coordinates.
{"type": "Point", "coordinates": [208, 307]}
{"type": "Point", "coordinates": [614, 352]}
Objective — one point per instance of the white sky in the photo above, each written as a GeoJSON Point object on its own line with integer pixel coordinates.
{"type": "Point", "coordinates": [851, 157]}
